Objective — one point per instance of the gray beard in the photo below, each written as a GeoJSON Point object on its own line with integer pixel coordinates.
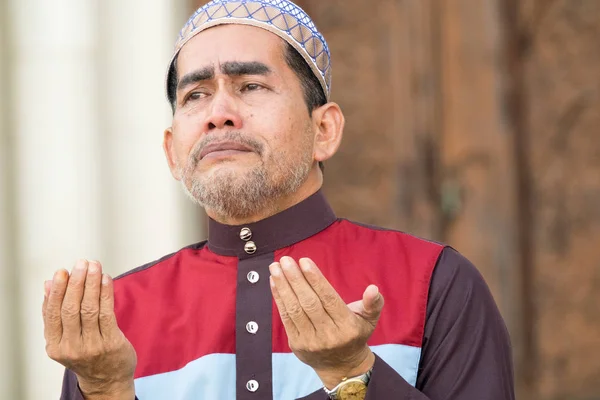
{"type": "Point", "coordinates": [233, 195]}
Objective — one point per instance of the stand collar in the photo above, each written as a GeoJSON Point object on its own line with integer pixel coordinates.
{"type": "Point", "coordinates": [290, 226]}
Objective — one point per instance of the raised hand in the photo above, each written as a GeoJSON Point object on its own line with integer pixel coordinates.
{"type": "Point", "coordinates": [323, 331]}
{"type": "Point", "coordinates": [81, 332]}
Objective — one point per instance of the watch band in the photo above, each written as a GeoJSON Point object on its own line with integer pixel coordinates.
{"type": "Point", "coordinates": [333, 393]}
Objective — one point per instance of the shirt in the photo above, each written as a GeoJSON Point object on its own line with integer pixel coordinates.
{"type": "Point", "coordinates": [205, 326]}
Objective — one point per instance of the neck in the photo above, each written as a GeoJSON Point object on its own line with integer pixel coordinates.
{"type": "Point", "coordinates": [312, 184]}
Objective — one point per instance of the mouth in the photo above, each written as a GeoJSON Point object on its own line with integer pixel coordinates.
{"type": "Point", "coordinates": [225, 149]}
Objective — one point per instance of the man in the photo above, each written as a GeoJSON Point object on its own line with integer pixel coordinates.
{"type": "Point", "coordinates": [284, 300]}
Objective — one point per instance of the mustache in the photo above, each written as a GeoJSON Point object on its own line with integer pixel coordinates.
{"type": "Point", "coordinates": [233, 137]}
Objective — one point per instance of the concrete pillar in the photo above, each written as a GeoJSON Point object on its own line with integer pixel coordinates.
{"type": "Point", "coordinates": [88, 178]}
{"type": "Point", "coordinates": [56, 159]}
{"type": "Point", "coordinates": [137, 41]}
{"type": "Point", "coordinates": [9, 367]}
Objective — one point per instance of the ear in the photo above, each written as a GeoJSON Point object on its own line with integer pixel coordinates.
{"type": "Point", "coordinates": [329, 121]}
{"type": "Point", "coordinates": [169, 149]}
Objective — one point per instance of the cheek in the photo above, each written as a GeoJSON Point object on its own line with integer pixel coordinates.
{"type": "Point", "coordinates": [294, 135]}
{"type": "Point", "coordinates": [290, 144]}
{"type": "Point", "coordinates": [185, 136]}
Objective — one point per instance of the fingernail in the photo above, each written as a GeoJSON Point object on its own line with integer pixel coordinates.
{"type": "Point", "coordinates": [286, 262]}
{"type": "Point", "coordinates": [272, 282]}
{"type": "Point", "coordinates": [81, 265]}
{"type": "Point", "coordinates": [93, 268]}
{"type": "Point", "coordinates": [105, 279]}
{"type": "Point", "coordinates": [59, 276]}
{"type": "Point", "coordinates": [305, 264]}
{"type": "Point", "coordinates": [275, 269]}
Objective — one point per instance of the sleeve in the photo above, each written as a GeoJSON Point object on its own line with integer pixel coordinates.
{"type": "Point", "coordinates": [70, 387]}
{"type": "Point", "coordinates": [466, 352]}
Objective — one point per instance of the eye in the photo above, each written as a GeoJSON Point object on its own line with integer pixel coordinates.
{"type": "Point", "coordinates": [251, 87]}
{"type": "Point", "coordinates": [194, 96]}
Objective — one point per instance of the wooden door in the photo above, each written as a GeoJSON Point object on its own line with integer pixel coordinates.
{"type": "Point", "coordinates": [476, 123]}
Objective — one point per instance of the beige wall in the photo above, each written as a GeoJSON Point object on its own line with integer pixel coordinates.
{"type": "Point", "coordinates": [83, 173]}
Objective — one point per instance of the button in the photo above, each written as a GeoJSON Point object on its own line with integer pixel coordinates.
{"type": "Point", "coordinates": [250, 247]}
{"type": "Point", "coordinates": [252, 327]}
{"type": "Point", "coordinates": [245, 234]}
{"type": "Point", "coordinates": [252, 385]}
{"type": "Point", "coordinates": [253, 277]}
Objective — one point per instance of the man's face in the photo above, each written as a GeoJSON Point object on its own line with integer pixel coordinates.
{"type": "Point", "coordinates": [241, 135]}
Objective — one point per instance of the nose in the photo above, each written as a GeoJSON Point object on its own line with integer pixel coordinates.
{"type": "Point", "coordinates": [223, 113]}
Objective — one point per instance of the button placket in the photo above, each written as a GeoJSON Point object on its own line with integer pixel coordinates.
{"type": "Point", "coordinates": [253, 328]}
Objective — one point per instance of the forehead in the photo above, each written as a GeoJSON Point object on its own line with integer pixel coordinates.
{"type": "Point", "coordinates": [230, 43]}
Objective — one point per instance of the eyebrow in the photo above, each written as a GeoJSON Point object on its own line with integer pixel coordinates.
{"type": "Point", "coordinates": [230, 68]}
{"type": "Point", "coordinates": [199, 75]}
{"type": "Point", "coordinates": [237, 68]}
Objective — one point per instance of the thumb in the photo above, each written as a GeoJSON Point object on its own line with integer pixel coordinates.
{"type": "Point", "coordinates": [369, 308]}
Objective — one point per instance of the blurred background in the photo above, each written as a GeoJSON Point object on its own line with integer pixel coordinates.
{"type": "Point", "coordinates": [472, 122]}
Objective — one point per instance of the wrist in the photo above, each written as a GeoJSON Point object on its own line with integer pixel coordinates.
{"type": "Point", "coordinates": [331, 378]}
{"type": "Point", "coordinates": [110, 391]}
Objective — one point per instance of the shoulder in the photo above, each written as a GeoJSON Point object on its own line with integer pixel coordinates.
{"type": "Point", "coordinates": [163, 261]}
{"type": "Point", "coordinates": [459, 291]}
{"type": "Point", "coordinates": [403, 244]}
{"type": "Point", "coordinates": [454, 273]}
{"type": "Point", "coordinates": [145, 287]}
{"type": "Point", "coordinates": [374, 230]}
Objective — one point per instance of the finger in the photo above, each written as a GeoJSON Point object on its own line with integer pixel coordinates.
{"type": "Point", "coordinates": [47, 287]}
{"type": "Point", "coordinates": [371, 305]}
{"type": "Point", "coordinates": [288, 324]}
{"type": "Point", "coordinates": [292, 306]}
{"type": "Point", "coordinates": [373, 300]}
{"type": "Point", "coordinates": [90, 305]}
{"type": "Point", "coordinates": [108, 321]}
{"type": "Point", "coordinates": [330, 299]}
{"type": "Point", "coordinates": [71, 306]}
{"type": "Point", "coordinates": [53, 328]}
{"type": "Point", "coordinates": [308, 299]}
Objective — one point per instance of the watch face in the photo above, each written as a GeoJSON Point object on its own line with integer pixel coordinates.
{"type": "Point", "coordinates": [353, 391]}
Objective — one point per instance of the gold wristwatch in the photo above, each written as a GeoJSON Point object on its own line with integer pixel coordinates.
{"type": "Point", "coordinates": [350, 388]}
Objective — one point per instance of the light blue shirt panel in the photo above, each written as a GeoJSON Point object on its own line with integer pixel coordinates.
{"type": "Point", "coordinates": [213, 376]}
{"type": "Point", "coordinates": [210, 377]}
